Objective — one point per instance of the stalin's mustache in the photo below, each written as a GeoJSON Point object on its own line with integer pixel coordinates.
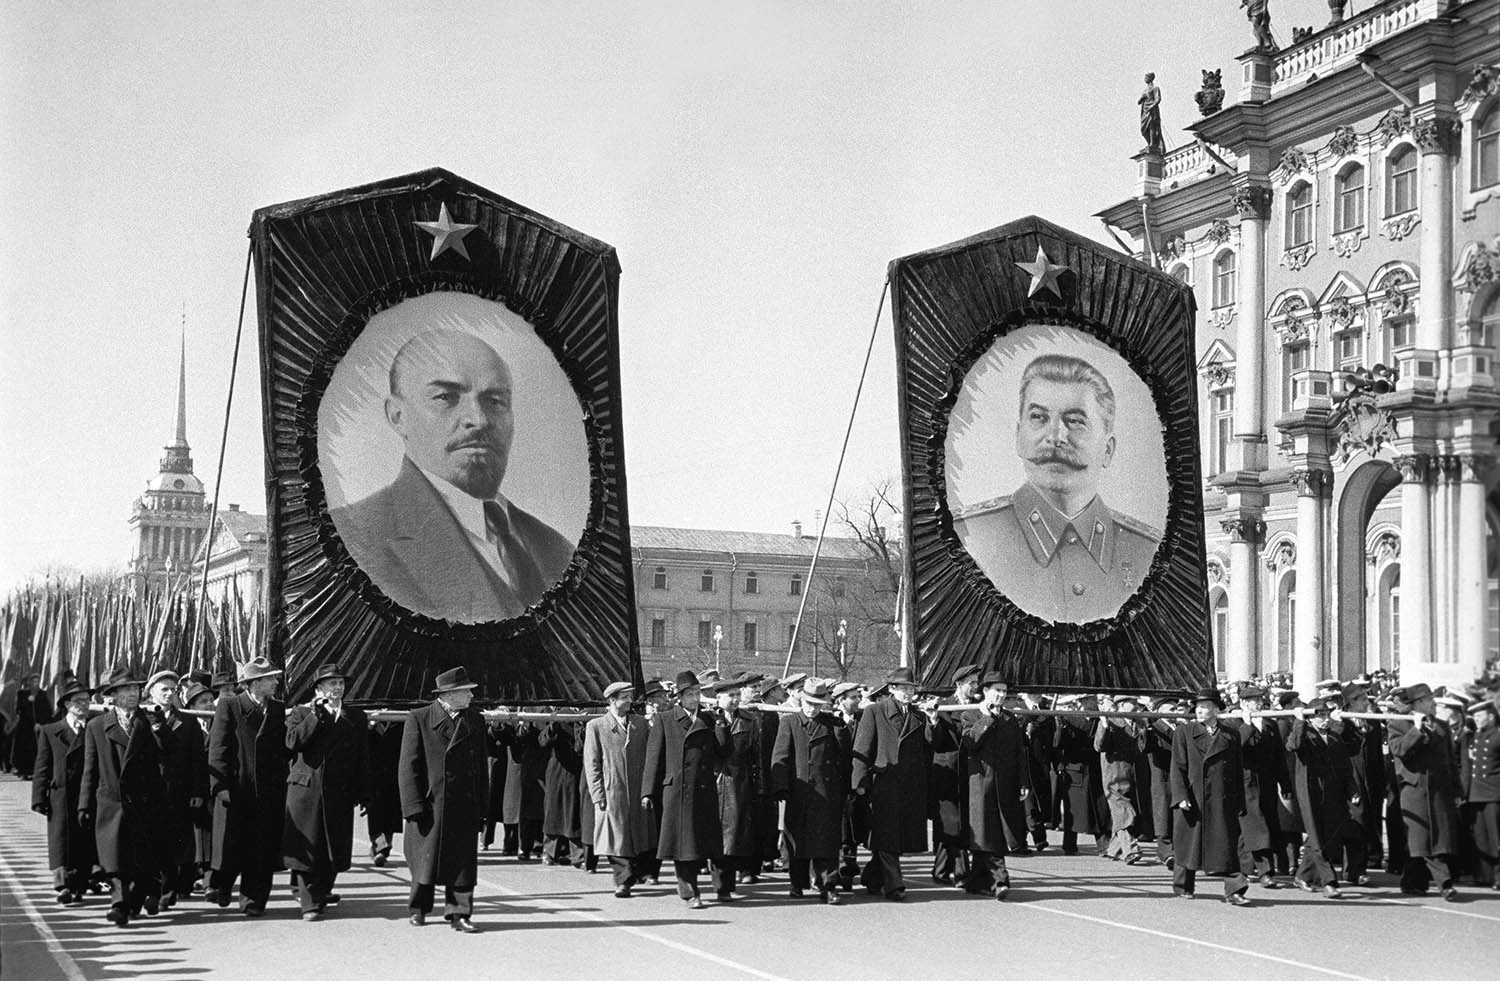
{"type": "Point", "coordinates": [1057, 455]}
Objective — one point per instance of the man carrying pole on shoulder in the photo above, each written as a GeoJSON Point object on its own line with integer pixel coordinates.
{"type": "Point", "coordinates": [995, 766]}
{"type": "Point", "coordinates": [1208, 799]}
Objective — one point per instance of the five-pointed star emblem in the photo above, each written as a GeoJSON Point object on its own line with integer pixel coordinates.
{"type": "Point", "coordinates": [446, 233]}
{"type": "Point", "coordinates": [1044, 275]}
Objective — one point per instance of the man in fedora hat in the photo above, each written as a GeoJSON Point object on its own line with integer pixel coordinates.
{"type": "Point", "coordinates": [1208, 797]}
{"type": "Point", "coordinates": [891, 754]}
{"type": "Point", "coordinates": [683, 753]}
{"type": "Point", "coordinates": [247, 766]}
{"type": "Point", "coordinates": [55, 782]}
{"type": "Point", "coordinates": [614, 761]}
{"type": "Point", "coordinates": [998, 776]}
{"type": "Point", "coordinates": [184, 767]}
{"type": "Point", "coordinates": [1266, 781]}
{"type": "Point", "coordinates": [329, 776]}
{"type": "Point", "coordinates": [199, 698]}
{"type": "Point", "coordinates": [1320, 779]}
{"type": "Point", "coordinates": [741, 778]}
{"type": "Point", "coordinates": [121, 794]}
{"type": "Point", "coordinates": [950, 864]}
{"type": "Point", "coordinates": [809, 771]}
{"type": "Point", "coordinates": [444, 776]}
{"type": "Point", "coordinates": [768, 692]}
{"type": "Point", "coordinates": [1423, 756]}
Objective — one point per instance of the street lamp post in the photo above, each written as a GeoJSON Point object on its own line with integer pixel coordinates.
{"type": "Point", "coordinates": [843, 633]}
{"type": "Point", "coordinates": [718, 640]}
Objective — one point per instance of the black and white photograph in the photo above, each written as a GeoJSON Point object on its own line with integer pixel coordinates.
{"type": "Point", "coordinates": [851, 490]}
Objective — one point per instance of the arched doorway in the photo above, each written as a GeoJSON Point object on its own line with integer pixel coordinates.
{"type": "Point", "coordinates": [1364, 489]}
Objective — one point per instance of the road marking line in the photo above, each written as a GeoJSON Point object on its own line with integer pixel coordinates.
{"type": "Point", "coordinates": [64, 960]}
{"type": "Point", "coordinates": [1191, 940]}
{"type": "Point", "coordinates": [1438, 909]}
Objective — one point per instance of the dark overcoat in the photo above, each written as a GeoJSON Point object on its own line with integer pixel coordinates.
{"type": "Point", "coordinates": [560, 779]}
{"type": "Point", "coordinates": [384, 748]}
{"type": "Point", "coordinates": [809, 771]}
{"type": "Point", "coordinates": [1264, 759]}
{"type": "Point", "coordinates": [944, 781]}
{"type": "Point", "coordinates": [443, 772]}
{"type": "Point", "coordinates": [55, 781]}
{"type": "Point", "coordinates": [1079, 780]}
{"type": "Point", "coordinates": [856, 808]}
{"type": "Point", "coordinates": [122, 787]}
{"type": "Point", "coordinates": [1428, 786]}
{"type": "Point", "coordinates": [1365, 740]}
{"type": "Point", "coordinates": [247, 756]}
{"type": "Point", "coordinates": [33, 708]}
{"type": "Point", "coordinates": [683, 753]}
{"type": "Point", "coordinates": [1039, 736]}
{"type": "Point", "coordinates": [1321, 784]}
{"type": "Point", "coordinates": [203, 817]}
{"type": "Point", "coordinates": [740, 781]}
{"type": "Point", "coordinates": [996, 767]}
{"type": "Point", "coordinates": [767, 820]}
{"type": "Point", "coordinates": [1288, 815]}
{"type": "Point", "coordinates": [184, 767]}
{"type": "Point", "coordinates": [525, 797]}
{"type": "Point", "coordinates": [891, 756]}
{"type": "Point", "coordinates": [1207, 772]}
{"type": "Point", "coordinates": [328, 778]}
{"type": "Point", "coordinates": [1155, 741]}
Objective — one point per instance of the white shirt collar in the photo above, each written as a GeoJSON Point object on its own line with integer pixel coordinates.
{"type": "Point", "coordinates": [467, 510]}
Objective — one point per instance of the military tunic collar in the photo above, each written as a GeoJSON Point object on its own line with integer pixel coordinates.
{"type": "Point", "coordinates": [1048, 529]}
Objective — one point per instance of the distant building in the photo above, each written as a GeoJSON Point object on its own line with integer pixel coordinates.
{"type": "Point", "coordinates": [1342, 218]}
{"type": "Point", "coordinates": [168, 521]}
{"type": "Point", "coordinates": [732, 597]}
{"type": "Point", "coordinates": [236, 558]}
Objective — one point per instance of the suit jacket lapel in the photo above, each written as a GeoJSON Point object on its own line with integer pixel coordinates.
{"type": "Point", "coordinates": [437, 552]}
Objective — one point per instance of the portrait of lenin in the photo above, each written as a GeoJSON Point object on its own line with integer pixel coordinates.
{"type": "Point", "coordinates": [1053, 546]}
{"type": "Point", "coordinates": [442, 539]}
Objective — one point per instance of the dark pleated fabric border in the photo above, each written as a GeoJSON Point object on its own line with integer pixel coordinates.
{"type": "Point", "coordinates": [950, 304]}
{"type": "Point", "coordinates": [324, 267]}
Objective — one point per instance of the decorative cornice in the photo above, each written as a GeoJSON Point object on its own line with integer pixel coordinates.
{"type": "Point", "coordinates": [1482, 267]}
{"type": "Point", "coordinates": [1392, 125]}
{"type": "Point", "coordinates": [1217, 374]}
{"type": "Point", "coordinates": [1218, 232]}
{"type": "Point", "coordinates": [1222, 317]}
{"type": "Point", "coordinates": [1294, 161]}
{"type": "Point", "coordinates": [1399, 226]}
{"type": "Point", "coordinates": [1485, 82]}
{"type": "Point", "coordinates": [1413, 467]}
{"type": "Point", "coordinates": [1396, 300]}
{"type": "Point", "coordinates": [1251, 201]}
{"type": "Point", "coordinates": [1340, 312]}
{"type": "Point", "coordinates": [1298, 257]}
{"type": "Point", "coordinates": [1344, 142]}
{"type": "Point", "coordinates": [1436, 134]}
{"type": "Point", "coordinates": [1294, 316]}
{"type": "Point", "coordinates": [1345, 244]}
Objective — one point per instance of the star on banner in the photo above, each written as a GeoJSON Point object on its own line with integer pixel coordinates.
{"type": "Point", "coordinates": [1044, 275]}
{"type": "Point", "coordinates": [446, 233]}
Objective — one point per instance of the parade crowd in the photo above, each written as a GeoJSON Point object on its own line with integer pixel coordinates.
{"type": "Point", "coordinates": [164, 788]}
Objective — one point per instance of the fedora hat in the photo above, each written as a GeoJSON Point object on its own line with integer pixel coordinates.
{"type": "Point", "coordinates": [817, 691]}
{"type": "Point", "coordinates": [453, 679]}
{"type": "Point", "coordinates": [74, 687]}
{"type": "Point", "coordinates": [1208, 695]}
{"type": "Point", "coordinates": [654, 687]}
{"type": "Point", "coordinates": [257, 667]}
{"type": "Point", "coordinates": [686, 680]}
{"type": "Point", "coordinates": [192, 691]}
{"type": "Point", "coordinates": [119, 676]}
{"type": "Point", "coordinates": [221, 679]}
{"type": "Point", "coordinates": [327, 670]}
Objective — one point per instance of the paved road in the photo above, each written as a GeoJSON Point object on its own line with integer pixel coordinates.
{"type": "Point", "coordinates": [1066, 916]}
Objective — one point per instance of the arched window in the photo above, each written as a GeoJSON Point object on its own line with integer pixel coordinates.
{"type": "Point", "coordinates": [1299, 216]}
{"type": "Point", "coordinates": [1388, 597]}
{"type": "Point", "coordinates": [1180, 272]}
{"type": "Point", "coordinates": [1401, 182]}
{"type": "Point", "coordinates": [1224, 282]}
{"type": "Point", "coordinates": [706, 584]}
{"type": "Point", "coordinates": [1349, 208]}
{"type": "Point", "coordinates": [1487, 148]}
{"type": "Point", "coordinates": [1221, 630]}
{"type": "Point", "coordinates": [1286, 617]}
{"type": "Point", "coordinates": [659, 578]}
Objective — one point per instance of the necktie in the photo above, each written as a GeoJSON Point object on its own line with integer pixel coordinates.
{"type": "Point", "coordinates": [521, 573]}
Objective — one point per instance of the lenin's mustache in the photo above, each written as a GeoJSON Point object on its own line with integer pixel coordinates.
{"type": "Point", "coordinates": [485, 442]}
{"type": "Point", "coordinates": [1057, 455]}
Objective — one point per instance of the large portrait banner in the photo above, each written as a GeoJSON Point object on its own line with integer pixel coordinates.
{"type": "Point", "coordinates": [440, 374]}
{"type": "Point", "coordinates": [1050, 463]}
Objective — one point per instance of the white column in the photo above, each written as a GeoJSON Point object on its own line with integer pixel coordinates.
{"type": "Point", "coordinates": [1416, 560]}
{"type": "Point", "coordinates": [1242, 653]}
{"type": "Point", "coordinates": [1249, 339]}
{"type": "Point", "coordinates": [1472, 588]}
{"type": "Point", "coordinates": [1308, 648]}
{"type": "Point", "coordinates": [1435, 256]}
{"type": "Point", "coordinates": [1444, 561]}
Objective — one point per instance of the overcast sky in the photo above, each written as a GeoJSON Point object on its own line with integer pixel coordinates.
{"type": "Point", "coordinates": [756, 164]}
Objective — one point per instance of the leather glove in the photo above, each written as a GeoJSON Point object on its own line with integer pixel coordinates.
{"type": "Point", "coordinates": [85, 818]}
{"type": "Point", "coordinates": [43, 808]}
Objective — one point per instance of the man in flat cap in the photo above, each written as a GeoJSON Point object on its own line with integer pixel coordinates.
{"type": "Point", "coordinates": [184, 766]}
{"type": "Point", "coordinates": [683, 754]}
{"type": "Point", "coordinates": [1423, 758]}
{"type": "Point", "coordinates": [1208, 795]}
{"type": "Point", "coordinates": [329, 777]}
{"type": "Point", "coordinates": [1366, 741]}
{"type": "Point", "coordinates": [55, 783]}
{"type": "Point", "coordinates": [247, 767]}
{"type": "Point", "coordinates": [998, 774]}
{"type": "Point", "coordinates": [847, 696]}
{"type": "Point", "coordinates": [769, 692]}
{"type": "Point", "coordinates": [809, 771]}
{"type": "Point", "coordinates": [741, 778]}
{"type": "Point", "coordinates": [121, 794]}
{"type": "Point", "coordinates": [1086, 559]}
{"type": "Point", "coordinates": [614, 761]}
{"type": "Point", "coordinates": [1320, 778]}
{"type": "Point", "coordinates": [1266, 781]}
{"type": "Point", "coordinates": [197, 697]}
{"type": "Point", "coordinates": [950, 865]}
{"type": "Point", "coordinates": [443, 771]}
{"type": "Point", "coordinates": [891, 759]}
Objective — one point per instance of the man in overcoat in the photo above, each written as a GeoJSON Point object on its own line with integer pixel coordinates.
{"type": "Point", "coordinates": [1117, 741]}
{"type": "Point", "coordinates": [740, 780]}
{"type": "Point", "coordinates": [1156, 747]}
{"type": "Point", "coordinates": [562, 823]}
{"type": "Point", "coordinates": [1428, 784]}
{"type": "Point", "coordinates": [328, 778]}
{"type": "Point", "coordinates": [856, 822]}
{"type": "Point", "coordinates": [383, 815]}
{"type": "Point", "coordinates": [1365, 739]}
{"type": "Point", "coordinates": [247, 768]}
{"type": "Point", "coordinates": [1266, 780]}
{"type": "Point", "coordinates": [121, 794]}
{"type": "Point", "coordinates": [33, 707]}
{"type": "Point", "coordinates": [950, 865]}
{"type": "Point", "coordinates": [1208, 797]}
{"type": "Point", "coordinates": [1481, 786]}
{"type": "Point", "coordinates": [443, 771]}
{"type": "Point", "coordinates": [1078, 803]}
{"type": "Point", "coordinates": [197, 697]}
{"type": "Point", "coordinates": [683, 754]}
{"type": "Point", "coordinates": [55, 782]}
{"type": "Point", "coordinates": [996, 769]}
{"type": "Point", "coordinates": [614, 761]}
{"type": "Point", "coordinates": [891, 759]}
{"type": "Point", "coordinates": [1320, 782]}
{"type": "Point", "coordinates": [184, 768]}
{"type": "Point", "coordinates": [809, 771]}
{"type": "Point", "coordinates": [524, 802]}
{"type": "Point", "coordinates": [767, 826]}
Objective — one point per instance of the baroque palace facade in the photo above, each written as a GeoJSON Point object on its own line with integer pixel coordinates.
{"type": "Point", "coordinates": [1340, 226]}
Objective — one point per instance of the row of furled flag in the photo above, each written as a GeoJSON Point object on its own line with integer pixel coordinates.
{"type": "Point", "coordinates": [88, 626]}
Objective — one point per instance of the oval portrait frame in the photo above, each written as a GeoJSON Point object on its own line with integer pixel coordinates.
{"type": "Point", "coordinates": [937, 477]}
{"type": "Point", "coordinates": [310, 399]}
